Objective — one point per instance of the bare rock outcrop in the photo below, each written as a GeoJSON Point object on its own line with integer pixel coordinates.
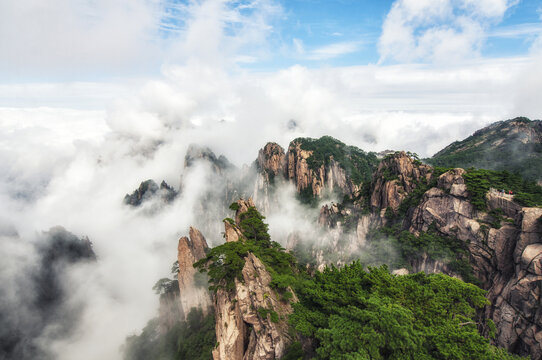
{"type": "Point", "coordinates": [507, 260]}
{"type": "Point", "coordinates": [330, 213]}
{"type": "Point", "coordinates": [270, 165]}
{"type": "Point", "coordinates": [452, 181]}
{"type": "Point", "coordinates": [251, 320]}
{"type": "Point", "coordinates": [192, 294]}
{"type": "Point", "coordinates": [271, 161]}
{"type": "Point", "coordinates": [396, 176]}
{"type": "Point", "coordinates": [242, 207]}
{"type": "Point", "coordinates": [316, 180]}
{"type": "Point", "coordinates": [232, 231]}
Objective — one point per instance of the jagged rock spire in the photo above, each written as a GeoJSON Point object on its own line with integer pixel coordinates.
{"type": "Point", "coordinates": [190, 250]}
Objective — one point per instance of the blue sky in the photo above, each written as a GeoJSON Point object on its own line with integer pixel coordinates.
{"type": "Point", "coordinates": [363, 20]}
{"type": "Point", "coordinates": [319, 24]}
{"type": "Point", "coordinates": [96, 41]}
{"type": "Point", "coordinates": [322, 23]}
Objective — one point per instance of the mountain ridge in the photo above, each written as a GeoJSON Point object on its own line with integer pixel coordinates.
{"type": "Point", "coordinates": [514, 145]}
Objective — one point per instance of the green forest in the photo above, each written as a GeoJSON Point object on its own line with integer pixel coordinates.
{"type": "Point", "coordinates": [498, 147]}
{"type": "Point", "coordinates": [351, 312]}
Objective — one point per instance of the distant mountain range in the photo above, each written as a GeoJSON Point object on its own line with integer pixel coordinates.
{"type": "Point", "coordinates": [514, 145]}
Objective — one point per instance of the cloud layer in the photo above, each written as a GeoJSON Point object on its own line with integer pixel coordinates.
{"type": "Point", "coordinates": [438, 30]}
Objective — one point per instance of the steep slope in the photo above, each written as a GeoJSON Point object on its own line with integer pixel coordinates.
{"type": "Point", "coordinates": [505, 253]}
{"type": "Point", "coordinates": [397, 176]}
{"type": "Point", "coordinates": [326, 164]}
{"type": "Point", "coordinates": [192, 285]}
{"type": "Point", "coordinates": [184, 327]}
{"type": "Point", "coordinates": [496, 242]}
{"type": "Point", "coordinates": [514, 145]}
{"type": "Point", "coordinates": [401, 212]}
{"type": "Point", "coordinates": [318, 168]}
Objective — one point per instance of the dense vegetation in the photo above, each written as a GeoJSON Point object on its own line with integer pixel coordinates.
{"type": "Point", "coordinates": [225, 262]}
{"type": "Point", "coordinates": [351, 313]}
{"type": "Point", "coordinates": [431, 244]}
{"type": "Point", "coordinates": [497, 147]}
{"type": "Point", "coordinates": [479, 181]}
{"type": "Point", "coordinates": [342, 313]}
{"type": "Point", "coordinates": [358, 164]}
{"type": "Point", "coordinates": [192, 339]}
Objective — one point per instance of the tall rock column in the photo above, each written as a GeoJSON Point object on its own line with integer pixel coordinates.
{"type": "Point", "coordinates": [251, 319]}
{"type": "Point", "coordinates": [192, 294]}
{"type": "Point", "coordinates": [270, 165]}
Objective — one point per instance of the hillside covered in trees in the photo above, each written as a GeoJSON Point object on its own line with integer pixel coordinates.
{"type": "Point", "coordinates": [514, 145]}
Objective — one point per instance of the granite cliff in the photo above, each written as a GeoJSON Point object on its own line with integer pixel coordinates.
{"type": "Point", "coordinates": [250, 317]}
{"type": "Point", "coordinates": [503, 243]}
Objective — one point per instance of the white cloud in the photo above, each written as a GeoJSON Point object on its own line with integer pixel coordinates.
{"type": "Point", "coordinates": [488, 8]}
{"type": "Point", "coordinates": [298, 46]}
{"type": "Point", "coordinates": [334, 50]}
{"type": "Point", "coordinates": [442, 31]}
{"type": "Point", "coordinates": [517, 31]}
{"type": "Point", "coordinates": [66, 36]}
{"type": "Point", "coordinates": [63, 38]}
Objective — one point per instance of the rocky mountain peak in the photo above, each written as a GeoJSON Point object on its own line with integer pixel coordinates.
{"type": "Point", "coordinates": [149, 189]}
{"type": "Point", "coordinates": [193, 292]}
{"type": "Point", "coordinates": [196, 153]}
{"type": "Point", "coordinates": [250, 320]}
{"type": "Point", "coordinates": [242, 207]}
{"type": "Point", "coordinates": [251, 315]}
{"type": "Point", "coordinates": [397, 175]}
{"type": "Point", "coordinates": [327, 165]}
{"type": "Point", "coordinates": [232, 231]}
{"type": "Point", "coordinates": [514, 145]}
{"type": "Point", "coordinates": [271, 161]}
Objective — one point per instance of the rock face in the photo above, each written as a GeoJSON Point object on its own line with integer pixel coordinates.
{"type": "Point", "coordinates": [396, 176]}
{"type": "Point", "coordinates": [316, 180]}
{"type": "Point", "coordinates": [270, 167]}
{"type": "Point", "coordinates": [251, 319]}
{"type": "Point", "coordinates": [242, 331]}
{"type": "Point", "coordinates": [232, 232]}
{"type": "Point", "coordinates": [192, 293]}
{"type": "Point", "coordinates": [271, 161]}
{"type": "Point", "coordinates": [505, 260]}
{"type": "Point", "coordinates": [275, 165]}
